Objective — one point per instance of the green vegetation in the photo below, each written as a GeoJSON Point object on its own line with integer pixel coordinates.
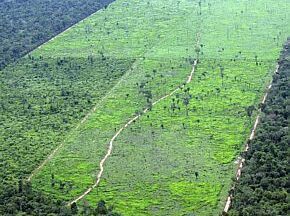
{"type": "Point", "coordinates": [201, 131]}
{"type": "Point", "coordinates": [21, 199]}
{"type": "Point", "coordinates": [26, 24]}
{"type": "Point", "coordinates": [262, 189]}
{"type": "Point", "coordinates": [42, 99]}
{"type": "Point", "coordinates": [127, 97]}
{"type": "Point", "coordinates": [178, 158]}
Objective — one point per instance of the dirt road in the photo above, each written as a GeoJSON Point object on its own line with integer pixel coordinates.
{"type": "Point", "coordinates": [119, 132]}
{"type": "Point", "coordinates": [252, 135]}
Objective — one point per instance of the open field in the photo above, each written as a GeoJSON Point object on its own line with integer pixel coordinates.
{"type": "Point", "coordinates": [124, 100]}
{"type": "Point", "coordinates": [152, 169]}
{"type": "Point", "coordinates": [178, 158]}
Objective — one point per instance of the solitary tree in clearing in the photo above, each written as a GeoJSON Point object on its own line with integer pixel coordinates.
{"type": "Point", "coordinates": [186, 99]}
{"type": "Point", "coordinates": [250, 110]}
{"type": "Point", "coordinates": [222, 74]}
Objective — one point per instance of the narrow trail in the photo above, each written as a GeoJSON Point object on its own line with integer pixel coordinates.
{"type": "Point", "coordinates": [52, 154]}
{"type": "Point", "coordinates": [252, 135]}
{"type": "Point", "coordinates": [110, 148]}
{"type": "Point", "coordinates": [99, 103]}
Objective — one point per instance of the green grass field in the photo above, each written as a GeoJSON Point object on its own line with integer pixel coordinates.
{"type": "Point", "coordinates": [154, 161]}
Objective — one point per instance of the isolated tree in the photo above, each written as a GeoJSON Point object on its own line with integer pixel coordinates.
{"type": "Point", "coordinates": [154, 72]}
{"type": "Point", "coordinates": [52, 180]}
{"type": "Point", "coordinates": [250, 110]}
{"type": "Point", "coordinates": [183, 125]}
{"type": "Point", "coordinates": [222, 74]}
{"type": "Point", "coordinates": [186, 103]}
{"type": "Point", "coordinates": [199, 4]}
{"type": "Point", "coordinates": [256, 59]}
{"type": "Point", "coordinates": [196, 175]}
{"type": "Point", "coordinates": [186, 99]}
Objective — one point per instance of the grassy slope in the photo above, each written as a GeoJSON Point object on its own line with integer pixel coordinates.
{"type": "Point", "coordinates": [113, 113]}
{"type": "Point", "coordinates": [154, 174]}
{"type": "Point", "coordinates": [211, 145]}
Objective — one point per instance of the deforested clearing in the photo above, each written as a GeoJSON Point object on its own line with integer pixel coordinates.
{"type": "Point", "coordinates": [159, 98]}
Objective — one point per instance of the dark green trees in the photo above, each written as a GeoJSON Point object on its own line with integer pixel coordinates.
{"type": "Point", "coordinates": [263, 187]}
{"type": "Point", "coordinates": [27, 24]}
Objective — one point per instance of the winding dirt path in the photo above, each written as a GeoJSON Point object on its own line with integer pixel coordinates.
{"type": "Point", "coordinates": [189, 79]}
{"type": "Point", "coordinates": [52, 154]}
{"type": "Point", "coordinates": [252, 135]}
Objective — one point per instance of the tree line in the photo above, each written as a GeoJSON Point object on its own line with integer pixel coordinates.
{"type": "Point", "coordinates": [263, 186]}
{"type": "Point", "coordinates": [25, 24]}
{"type": "Point", "coordinates": [22, 199]}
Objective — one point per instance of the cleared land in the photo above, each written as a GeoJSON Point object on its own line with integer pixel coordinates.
{"type": "Point", "coordinates": [178, 158]}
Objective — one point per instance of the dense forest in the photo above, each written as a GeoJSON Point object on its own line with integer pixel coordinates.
{"type": "Point", "coordinates": [263, 187]}
{"type": "Point", "coordinates": [25, 24]}
{"type": "Point", "coordinates": [23, 200]}
{"type": "Point", "coordinates": [35, 101]}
